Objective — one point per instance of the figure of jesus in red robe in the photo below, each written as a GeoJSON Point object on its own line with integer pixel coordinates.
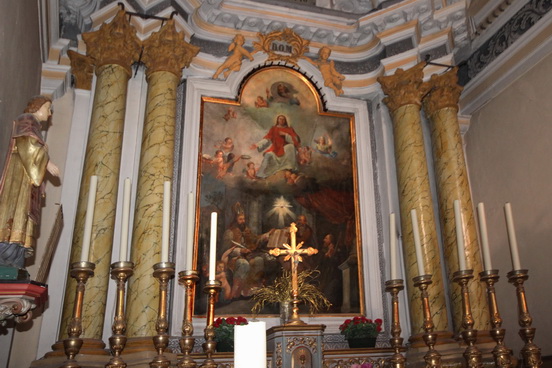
{"type": "Point", "coordinates": [280, 147]}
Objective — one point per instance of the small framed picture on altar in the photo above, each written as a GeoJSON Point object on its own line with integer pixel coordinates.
{"type": "Point", "coordinates": [270, 158]}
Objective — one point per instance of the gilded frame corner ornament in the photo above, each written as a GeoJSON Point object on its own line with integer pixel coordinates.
{"type": "Point", "coordinates": [283, 45]}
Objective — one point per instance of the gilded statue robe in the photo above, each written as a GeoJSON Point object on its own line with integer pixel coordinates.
{"type": "Point", "coordinates": [21, 190]}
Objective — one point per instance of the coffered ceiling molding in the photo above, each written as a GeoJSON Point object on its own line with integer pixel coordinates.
{"type": "Point", "coordinates": [437, 45]}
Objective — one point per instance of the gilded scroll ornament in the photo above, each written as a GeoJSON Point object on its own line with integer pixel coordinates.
{"type": "Point", "coordinates": [114, 43]}
{"type": "Point", "coordinates": [294, 342]}
{"type": "Point", "coordinates": [167, 51]}
{"type": "Point", "coordinates": [283, 45]}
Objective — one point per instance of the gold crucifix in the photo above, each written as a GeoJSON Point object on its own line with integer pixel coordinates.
{"type": "Point", "coordinates": [293, 252]}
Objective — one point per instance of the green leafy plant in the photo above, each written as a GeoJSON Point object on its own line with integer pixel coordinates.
{"type": "Point", "coordinates": [224, 327]}
{"type": "Point", "coordinates": [360, 327]}
{"type": "Point", "coordinates": [280, 292]}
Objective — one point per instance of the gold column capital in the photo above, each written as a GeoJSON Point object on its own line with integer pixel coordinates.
{"type": "Point", "coordinates": [445, 92]}
{"type": "Point", "coordinates": [404, 87]}
{"type": "Point", "coordinates": [167, 51]}
{"type": "Point", "coordinates": [82, 67]}
{"type": "Point", "coordinates": [114, 43]}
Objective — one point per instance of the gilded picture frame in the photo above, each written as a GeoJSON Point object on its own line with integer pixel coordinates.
{"type": "Point", "coordinates": [267, 159]}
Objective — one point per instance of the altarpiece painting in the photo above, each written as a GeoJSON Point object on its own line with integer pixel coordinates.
{"type": "Point", "coordinates": [267, 159]}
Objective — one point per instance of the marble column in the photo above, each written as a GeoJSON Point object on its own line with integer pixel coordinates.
{"type": "Point", "coordinates": [441, 107]}
{"type": "Point", "coordinates": [113, 48]}
{"type": "Point", "coordinates": [165, 54]}
{"type": "Point", "coordinates": [405, 91]}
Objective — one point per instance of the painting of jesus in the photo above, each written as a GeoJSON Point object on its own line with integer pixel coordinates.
{"type": "Point", "coordinates": [268, 165]}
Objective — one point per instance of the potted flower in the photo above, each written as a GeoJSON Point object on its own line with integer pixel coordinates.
{"type": "Point", "coordinates": [361, 332]}
{"type": "Point", "coordinates": [280, 292]}
{"type": "Point", "coordinates": [224, 332]}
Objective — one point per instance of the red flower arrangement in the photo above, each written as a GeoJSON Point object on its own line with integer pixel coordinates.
{"type": "Point", "coordinates": [224, 327]}
{"type": "Point", "coordinates": [360, 327]}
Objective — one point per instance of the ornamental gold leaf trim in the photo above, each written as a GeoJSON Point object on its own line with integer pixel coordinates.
{"type": "Point", "coordinates": [296, 46]}
{"type": "Point", "coordinates": [294, 342]}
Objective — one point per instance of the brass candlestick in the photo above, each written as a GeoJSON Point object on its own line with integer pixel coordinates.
{"type": "Point", "coordinates": [432, 357]}
{"type": "Point", "coordinates": [120, 272]}
{"type": "Point", "coordinates": [212, 288]}
{"type": "Point", "coordinates": [501, 353]}
{"type": "Point", "coordinates": [531, 352]}
{"type": "Point", "coordinates": [188, 279]}
{"type": "Point", "coordinates": [469, 334]}
{"type": "Point", "coordinates": [163, 272]}
{"type": "Point", "coordinates": [80, 271]}
{"type": "Point", "coordinates": [393, 287]}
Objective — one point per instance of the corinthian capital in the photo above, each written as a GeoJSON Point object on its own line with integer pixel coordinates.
{"type": "Point", "coordinates": [114, 43]}
{"type": "Point", "coordinates": [405, 87]}
{"type": "Point", "coordinates": [82, 68]}
{"type": "Point", "coordinates": [445, 92]}
{"type": "Point", "coordinates": [167, 51]}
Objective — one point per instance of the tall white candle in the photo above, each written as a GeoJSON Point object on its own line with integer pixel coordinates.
{"type": "Point", "coordinates": [87, 234]}
{"type": "Point", "coordinates": [123, 254]}
{"type": "Point", "coordinates": [190, 233]}
{"type": "Point", "coordinates": [166, 221]}
{"type": "Point", "coordinates": [417, 243]}
{"type": "Point", "coordinates": [250, 345]}
{"type": "Point", "coordinates": [512, 237]}
{"type": "Point", "coordinates": [393, 247]}
{"type": "Point", "coordinates": [484, 237]}
{"type": "Point", "coordinates": [213, 247]}
{"type": "Point", "coordinates": [459, 235]}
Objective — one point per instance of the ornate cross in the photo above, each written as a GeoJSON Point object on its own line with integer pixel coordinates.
{"type": "Point", "coordinates": [293, 252]}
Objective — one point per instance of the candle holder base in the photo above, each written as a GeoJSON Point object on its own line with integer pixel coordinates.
{"type": "Point", "coordinates": [163, 272]}
{"type": "Point", "coordinates": [212, 288]}
{"type": "Point", "coordinates": [531, 353]}
{"type": "Point", "coordinates": [393, 287]}
{"type": "Point", "coordinates": [432, 357]}
{"type": "Point", "coordinates": [501, 353]}
{"type": "Point", "coordinates": [186, 345]}
{"type": "Point", "coordinates": [188, 279]}
{"type": "Point", "coordinates": [80, 271]}
{"type": "Point", "coordinates": [469, 334]}
{"type": "Point", "coordinates": [209, 347]}
{"type": "Point", "coordinates": [160, 361]}
{"type": "Point", "coordinates": [72, 346]}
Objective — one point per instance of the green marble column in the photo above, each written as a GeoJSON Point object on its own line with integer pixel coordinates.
{"type": "Point", "coordinates": [405, 91]}
{"type": "Point", "coordinates": [113, 48]}
{"type": "Point", "coordinates": [165, 54]}
{"type": "Point", "coordinates": [441, 107]}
